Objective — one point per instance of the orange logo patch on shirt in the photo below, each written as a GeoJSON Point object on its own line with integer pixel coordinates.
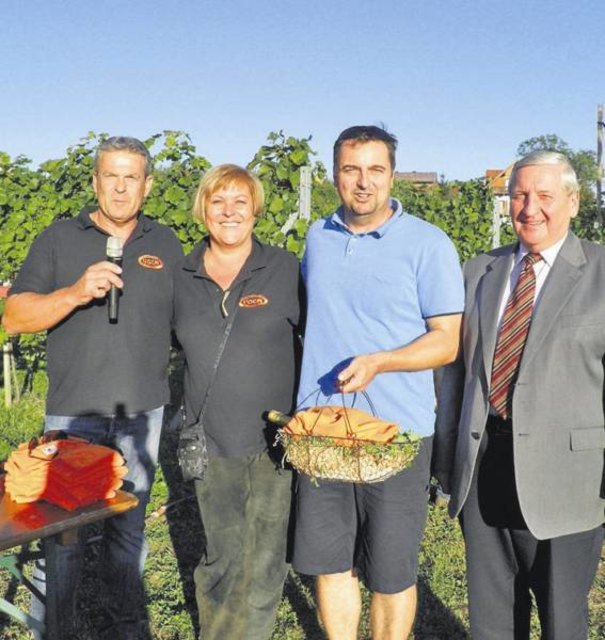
{"type": "Point", "coordinates": [253, 300]}
{"type": "Point", "coordinates": [150, 262]}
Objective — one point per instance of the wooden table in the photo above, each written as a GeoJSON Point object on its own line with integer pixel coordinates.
{"type": "Point", "coordinates": [23, 523]}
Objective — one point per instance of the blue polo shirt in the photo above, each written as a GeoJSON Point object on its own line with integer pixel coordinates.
{"type": "Point", "coordinates": [371, 292]}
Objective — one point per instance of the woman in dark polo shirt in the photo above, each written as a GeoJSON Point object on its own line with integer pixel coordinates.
{"type": "Point", "coordinates": [245, 497]}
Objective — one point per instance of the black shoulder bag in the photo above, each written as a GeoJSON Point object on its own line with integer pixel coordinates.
{"type": "Point", "coordinates": [192, 450]}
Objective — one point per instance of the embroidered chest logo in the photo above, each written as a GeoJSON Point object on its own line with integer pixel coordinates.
{"type": "Point", "coordinates": [150, 262]}
{"type": "Point", "coordinates": [254, 300]}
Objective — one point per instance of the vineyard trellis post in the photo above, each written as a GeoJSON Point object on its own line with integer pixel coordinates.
{"type": "Point", "coordinates": [600, 126]}
{"type": "Point", "coordinates": [304, 193]}
{"type": "Point", "coordinates": [304, 200]}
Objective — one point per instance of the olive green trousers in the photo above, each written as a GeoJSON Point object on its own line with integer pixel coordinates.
{"type": "Point", "coordinates": [245, 506]}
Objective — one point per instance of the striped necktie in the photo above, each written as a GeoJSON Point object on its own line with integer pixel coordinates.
{"type": "Point", "coordinates": [512, 336]}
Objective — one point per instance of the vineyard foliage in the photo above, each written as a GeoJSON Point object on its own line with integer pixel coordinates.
{"type": "Point", "coordinates": [31, 198]}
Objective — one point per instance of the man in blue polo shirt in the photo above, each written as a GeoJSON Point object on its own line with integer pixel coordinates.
{"type": "Point", "coordinates": [385, 298]}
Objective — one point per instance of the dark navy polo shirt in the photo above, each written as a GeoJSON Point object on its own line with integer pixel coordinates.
{"type": "Point", "coordinates": [95, 367]}
{"type": "Point", "coordinates": [258, 370]}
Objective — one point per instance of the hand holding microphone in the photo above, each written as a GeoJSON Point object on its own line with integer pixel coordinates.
{"type": "Point", "coordinates": [114, 253]}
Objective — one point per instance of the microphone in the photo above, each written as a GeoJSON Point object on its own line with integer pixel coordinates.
{"type": "Point", "coordinates": [114, 255]}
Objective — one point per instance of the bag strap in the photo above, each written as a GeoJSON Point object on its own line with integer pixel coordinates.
{"type": "Point", "coordinates": [219, 355]}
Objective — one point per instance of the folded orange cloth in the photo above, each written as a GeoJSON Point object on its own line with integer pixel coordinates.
{"type": "Point", "coordinates": [69, 473]}
{"type": "Point", "coordinates": [341, 422]}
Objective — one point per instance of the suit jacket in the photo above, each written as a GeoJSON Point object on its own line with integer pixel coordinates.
{"type": "Point", "coordinates": [558, 402]}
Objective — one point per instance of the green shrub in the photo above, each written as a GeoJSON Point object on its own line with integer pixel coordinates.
{"type": "Point", "coordinates": [20, 422]}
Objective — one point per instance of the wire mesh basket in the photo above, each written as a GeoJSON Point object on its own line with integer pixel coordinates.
{"type": "Point", "coordinates": [352, 457]}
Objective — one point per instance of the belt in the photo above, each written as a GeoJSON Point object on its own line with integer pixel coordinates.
{"type": "Point", "coordinates": [499, 426]}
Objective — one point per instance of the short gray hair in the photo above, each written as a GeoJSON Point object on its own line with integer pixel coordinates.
{"type": "Point", "coordinates": [569, 179]}
{"type": "Point", "coordinates": [125, 143]}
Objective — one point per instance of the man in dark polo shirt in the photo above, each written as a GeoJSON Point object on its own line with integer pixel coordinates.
{"type": "Point", "coordinates": [107, 380]}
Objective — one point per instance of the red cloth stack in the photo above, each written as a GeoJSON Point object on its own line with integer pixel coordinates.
{"type": "Point", "coordinates": [69, 473]}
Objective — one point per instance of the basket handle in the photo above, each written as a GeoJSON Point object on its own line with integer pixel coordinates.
{"type": "Point", "coordinates": [350, 433]}
{"type": "Point", "coordinates": [364, 393]}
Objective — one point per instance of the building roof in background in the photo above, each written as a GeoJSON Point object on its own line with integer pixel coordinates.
{"type": "Point", "coordinates": [417, 177]}
{"type": "Point", "coordinates": [498, 179]}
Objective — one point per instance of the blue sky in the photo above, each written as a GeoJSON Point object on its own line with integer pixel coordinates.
{"type": "Point", "coordinates": [460, 82]}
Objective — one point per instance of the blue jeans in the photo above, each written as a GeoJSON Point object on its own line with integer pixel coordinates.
{"type": "Point", "coordinates": [137, 437]}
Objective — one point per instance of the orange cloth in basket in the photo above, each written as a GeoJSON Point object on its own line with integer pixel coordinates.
{"type": "Point", "coordinates": [341, 422]}
{"type": "Point", "coordinates": [69, 473]}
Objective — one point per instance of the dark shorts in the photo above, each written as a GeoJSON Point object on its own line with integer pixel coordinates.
{"type": "Point", "coordinates": [375, 529]}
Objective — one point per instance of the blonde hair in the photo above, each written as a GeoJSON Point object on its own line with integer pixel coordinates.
{"type": "Point", "coordinates": [222, 176]}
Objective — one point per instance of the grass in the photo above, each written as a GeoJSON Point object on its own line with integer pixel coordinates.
{"type": "Point", "coordinates": [175, 538]}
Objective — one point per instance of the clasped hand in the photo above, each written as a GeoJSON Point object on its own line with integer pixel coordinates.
{"type": "Point", "coordinates": [96, 281]}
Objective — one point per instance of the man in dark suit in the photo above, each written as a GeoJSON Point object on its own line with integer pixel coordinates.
{"type": "Point", "coordinates": [520, 434]}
